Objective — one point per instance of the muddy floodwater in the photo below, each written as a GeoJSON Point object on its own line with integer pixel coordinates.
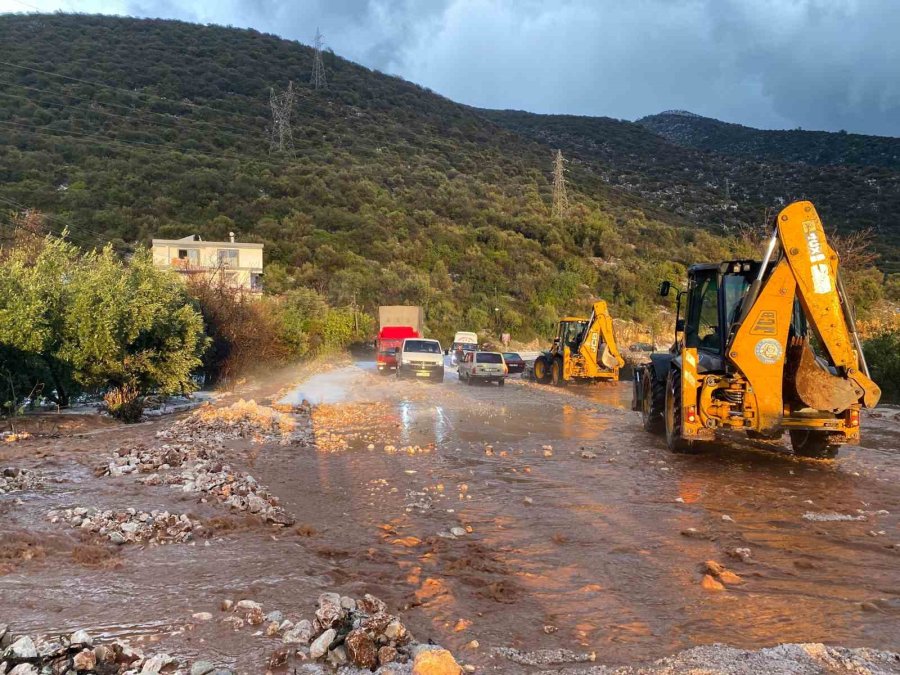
{"type": "Point", "coordinates": [579, 530]}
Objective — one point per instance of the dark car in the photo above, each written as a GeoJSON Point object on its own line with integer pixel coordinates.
{"type": "Point", "coordinates": [514, 362]}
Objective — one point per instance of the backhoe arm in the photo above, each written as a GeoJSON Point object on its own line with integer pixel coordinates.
{"type": "Point", "coordinates": [599, 333]}
{"type": "Point", "coordinates": [814, 265]}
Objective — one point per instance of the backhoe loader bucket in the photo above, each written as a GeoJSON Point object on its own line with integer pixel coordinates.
{"type": "Point", "coordinates": [816, 386]}
{"type": "Point", "coordinates": [606, 357]}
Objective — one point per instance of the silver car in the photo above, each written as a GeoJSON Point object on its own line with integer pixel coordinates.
{"type": "Point", "coordinates": [487, 366]}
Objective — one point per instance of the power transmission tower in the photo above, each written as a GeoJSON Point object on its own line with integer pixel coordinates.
{"type": "Point", "coordinates": [317, 79]}
{"type": "Point", "coordinates": [560, 199]}
{"type": "Point", "coordinates": [282, 110]}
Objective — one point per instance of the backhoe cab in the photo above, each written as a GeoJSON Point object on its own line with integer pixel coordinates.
{"type": "Point", "coordinates": [583, 349]}
{"type": "Point", "coordinates": [762, 347]}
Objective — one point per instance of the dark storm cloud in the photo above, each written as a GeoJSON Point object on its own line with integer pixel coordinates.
{"type": "Point", "coordinates": [826, 64]}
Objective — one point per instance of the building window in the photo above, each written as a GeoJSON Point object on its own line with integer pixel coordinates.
{"type": "Point", "coordinates": [256, 283]}
{"type": "Point", "coordinates": [228, 257]}
{"type": "Point", "coordinates": [190, 256]}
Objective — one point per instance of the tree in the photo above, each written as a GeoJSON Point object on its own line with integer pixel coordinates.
{"type": "Point", "coordinates": [131, 325]}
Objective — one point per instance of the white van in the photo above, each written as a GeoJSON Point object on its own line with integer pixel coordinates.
{"type": "Point", "coordinates": [418, 357]}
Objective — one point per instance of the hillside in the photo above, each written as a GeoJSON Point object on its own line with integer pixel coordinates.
{"type": "Point", "coordinates": [123, 129]}
{"type": "Point", "coordinates": [818, 148]}
{"type": "Point", "coordinates": [128, 129]}
{"type": "Point", "coordinates": [720, 191]}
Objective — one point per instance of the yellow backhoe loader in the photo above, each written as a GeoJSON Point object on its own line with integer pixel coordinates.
{"type": "Point", "coordinates": [583, 349]}
{"type": "Point", "coordinates": [763, 347]}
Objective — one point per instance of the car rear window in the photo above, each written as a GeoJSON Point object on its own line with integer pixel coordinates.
{"type": "Point", "coordinates": [511, 356]}
{"type": "Point", "coordinates": [487, 357]}
{"type": "Point", "coordinates": [422, 346]}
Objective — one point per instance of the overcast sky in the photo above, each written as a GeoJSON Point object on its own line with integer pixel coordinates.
{"type": "Point", "coordinates": [817, 64]}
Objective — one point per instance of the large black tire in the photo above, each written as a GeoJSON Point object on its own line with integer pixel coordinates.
{"type": "Point", "coordinates": [673, 416]}
{"type": "Point", "coordinates": [813, 444]}
{"type": "Point", "coordinates": [542, 369]}
{"type": "Point", "coordinates": [556, 373]}
{"type": "Point", "coordinates": [653, 403]}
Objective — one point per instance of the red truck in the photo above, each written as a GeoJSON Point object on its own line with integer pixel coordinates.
{"type": "Point", "coordinates": [395, 323]}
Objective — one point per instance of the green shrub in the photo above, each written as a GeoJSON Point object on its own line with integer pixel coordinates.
{"type": "Point", "coordinates": [883, 356]}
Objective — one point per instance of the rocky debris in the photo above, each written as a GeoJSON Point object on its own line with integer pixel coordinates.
{"type": "Point", "coordinates": [190, 458]}
{"type": "Point", "coordinates": [544, 657]}
{"type": "Point", "coordinates": [742, 554]}
{"type": "Point", "coordinates": [437, 661]}
{"type": "Point", "coordinates": [831, 516]}
{"type": "Point", "coordinates": [710, 584]}
{"type": "Point", "coordinates": [799, 659]}
{"type": "Point", "coordinates": [77, 653]}
{"type": "Point", "coordinates": [15, 480]}
{"type": "Point", "coordinates": [344, 631]}
{"type": "Point", "coordinates": [12, 437]}
{"type": "Point", "coordinates": [244, 419]}
{"type": "Point", "coordinates": [716, 576]}
{"type": "Point", "coordinates": [132, 526]}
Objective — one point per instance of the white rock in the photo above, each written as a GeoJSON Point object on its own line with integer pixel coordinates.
{"type": "Point", "coordinates": [247, 605]}
{"type": "Point", "coordinates": [81, 637]}
{"type": "Point", "coordinates": [23, 648]}
{"type": "Point", "coordinates": [458, 531]}
{"type": "Point", "coordinates": [202, 616]}
{"type": "Point", "coordinates": [320, 646]}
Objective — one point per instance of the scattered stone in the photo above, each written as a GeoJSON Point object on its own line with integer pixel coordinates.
{"type": "Point", "coordinates": [710, 584]}
{"type": "Point", "coordinates": [17, 480]}
{"type": "Point", "coordinates": [132, 526]}
{"type": "Point", "coordinates": [458, 531]}
{"type": "Point", "coordinates": [435, 662]}
{"type": "Point", "coordinates": [587, 454]}
{"type": "Point", "coordinates": [247, 605]}
{"type": "Point", "coordinates": [549, 630]}
{"type": "Point", "coordinates": [330, 612]}
{"type": "Point", "coordinates": [714, 568]}
{"type": "Point", "coordinates": [730, 578]}
{"type": "Point", "coordinates": [361, 649]}
{"type": "Point", "coordinates": [300, 634]}
{"type": "Point", "coordinates": [371, 605]}
{"type": "Point", "coordinates": [226, 605]}
{"type": "Point", "coordinates": [202, 668]}
{"type": "Point", "coordinates": [23, 648]}
{"type": "Point", "coordinates": [548, 450]}
{"type": "Point", "coordinates": [279, 657]}
{"type": "Point", "coordinates": [830, 516]}
{"type": "Point", "coordinates": [727, 519]}
{"type": "Point", "coordinates": [386, 654]}
{"type": "Point", "coordinates": [742, 554]}
{"type": "Point", "coordinates": [320, 645]}
{"type": "Point", "coordinates": [84, 660]}
{"type": "Point", "coordinates": [528, 500]}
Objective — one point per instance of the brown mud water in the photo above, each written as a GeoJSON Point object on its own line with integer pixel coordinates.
{"type": "Point", "coordinates": [497, 522]}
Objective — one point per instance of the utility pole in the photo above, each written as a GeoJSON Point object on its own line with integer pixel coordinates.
{"type": "Point", "coordinates": [282, 109]}
{"type": "Point", "coordinates": [317, 79]}
{"type": "Point", "coordinates": [560, 200]}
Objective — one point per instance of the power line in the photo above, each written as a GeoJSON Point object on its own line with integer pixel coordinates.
{"type": "Point", "coordinates": [317, 79]}
{"type": "Point", "coordinates": [282, 108]}
{"type": "Point", "coordinates": [560, 199]}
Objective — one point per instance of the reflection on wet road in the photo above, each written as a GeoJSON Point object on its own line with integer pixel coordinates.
{"type": "Point", "coordinates": [521, 516]}
{"type": "Point", "coordinates": [598, 542]}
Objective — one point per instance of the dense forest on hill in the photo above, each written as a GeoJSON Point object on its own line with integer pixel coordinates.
{"type": "Point", "coordinates": [123, 129]}
{"type": "Point", "coordinates": [723, 192]}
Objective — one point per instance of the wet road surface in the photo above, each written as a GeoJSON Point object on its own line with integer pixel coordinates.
{"type": "Point", "coordinates": [584, 532]}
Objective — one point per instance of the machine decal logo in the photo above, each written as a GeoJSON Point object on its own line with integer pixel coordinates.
{"type": "Point", "coordinates": [766, 324]}
{"type": "Point", "coordinates": [821, 275]}
{"type": "Point", "coordinates": [768, 351]}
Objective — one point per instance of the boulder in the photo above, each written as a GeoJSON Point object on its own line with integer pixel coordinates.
{"type": "Point", "coordinates": [85, 660]}
{"type": "Point", "coordinates": [24, 669]}
{"type": "Point", "coordinates": [386, 654]}
{"type": "Point", "coordinates": [330, 612]}
{"type": "Point", "coordinates": [300, 633]}
{"type": "Point", "coordinates": [320, 645]}
{"type": "Point", "coordinates": [81, 637]}
{"type": "Point", "coordinates": [23, 648]}
{"type": "Point", "coordinates": [371, 605]}
{"type": "Point", "coordinates": [435, 662]}
{"type": "Point", "coordinates": [361, 649]}
{"type": "Point", "coordinates": [202, 668]}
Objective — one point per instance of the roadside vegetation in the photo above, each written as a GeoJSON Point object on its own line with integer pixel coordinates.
{"type": "Point", "coordinates": [75, 322]}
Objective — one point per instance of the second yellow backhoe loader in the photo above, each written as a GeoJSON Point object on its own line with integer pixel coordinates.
{"type": "Point", "coordinates": [762, 347]}
{"type": "Point", "coordinates": [583, 349]}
